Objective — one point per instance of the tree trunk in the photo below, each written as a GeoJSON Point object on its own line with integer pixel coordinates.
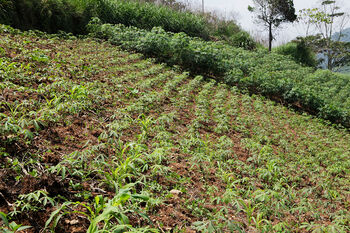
{"type": "Point", "coordinates": [329, 54]}
{"type": "Point", "coordinates": [329, 60]}
{"type": "Point", "coordinates": [270, 37]}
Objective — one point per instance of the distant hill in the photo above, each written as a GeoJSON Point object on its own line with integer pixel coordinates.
{"type": "Point", "coordinates": [345, 37]}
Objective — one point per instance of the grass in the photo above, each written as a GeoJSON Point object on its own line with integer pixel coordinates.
{"type": "Point", "coordinates": [96, 138]}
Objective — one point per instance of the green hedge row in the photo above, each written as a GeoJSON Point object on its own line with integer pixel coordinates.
{"type": "Point", "coordinates": [322, 93]}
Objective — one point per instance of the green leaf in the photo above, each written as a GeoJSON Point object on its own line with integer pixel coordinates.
{"type": "Point", "coordinates": [124, 218]}
{"type": "Point", "coordinates": [140, 196]}
{"type": "Point", "coordinates": [54, 214]}
{"type": "Point", "coordinates": [106, 214]}
{"type": "Point", "coordinates": [97, 200]}
{"type": "Point", "coordinates": [3, 217]}
{"type": "Point", "coordinates": [23, 228]}
{"type": "Point", "coordinates": [124, 197]}
{"type": "Point", "coordinates": [28, 134]}
{"type": "Point", "coordinates": [14, 226]}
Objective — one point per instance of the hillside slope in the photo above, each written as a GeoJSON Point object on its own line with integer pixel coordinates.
{"type": "Point", "coordinates": [321, 93]}
{"type": "Point", "coordinates": [345, 35]}
{"type": "Point", "coordinates": [98, 138]}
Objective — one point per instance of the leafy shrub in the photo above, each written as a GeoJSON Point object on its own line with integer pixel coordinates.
{"type": "Point", "coordinates": [243, 40]}
{"type": "Point", "coordinates": [299, 51]}
{"type": "Point", "coordinates": [171, 48]}
{"type": "Point", "coordinates": [73, 15]}
{"type": "Point", "coordinates": [223, 28]}
{"type": "Point", "coordinates": [274, 75]}
{"type": "Point", "coordinates": [6, 9]}
{"type": "Point", "coordinates": [49, 16]}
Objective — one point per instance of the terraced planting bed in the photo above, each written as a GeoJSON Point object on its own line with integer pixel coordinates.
{"type": "Point", "coordinates": [95, 139]}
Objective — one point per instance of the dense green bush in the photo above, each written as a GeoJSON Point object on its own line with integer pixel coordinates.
{"type": "Point", "coordinates": [242, 39]}
{"type": "Point", "coordinates": [147, 16]}
{"type": "Point", "coordinates": [190, 53]}
{"type": "Point", "coordinates": [322, 93]}
{"type": "Point", "coordinates": [222, 28]}
{"type": "Point", "coordinates": [49, 15]}
{"type": "Point", "coordinates": [73, 15]}
{"type": "Point", "coordinates": [6, 8]}
{"type": "Point", "coordinates": [299, 51]}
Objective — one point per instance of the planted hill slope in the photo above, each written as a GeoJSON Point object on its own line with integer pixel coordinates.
{"type": "Point", "coordinates": [91, 133]}
{"type": "Point", "coordinates": [322, 93]}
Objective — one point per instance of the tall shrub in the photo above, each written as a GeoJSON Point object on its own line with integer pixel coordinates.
{"type": "Point", "coordinates": [299, 51]}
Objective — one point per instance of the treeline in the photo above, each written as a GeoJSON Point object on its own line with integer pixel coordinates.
{"type": "Point", "coordinates": [73, 15]}
{"type": "Point", "coordinates": [321, 93]}
{"type": "Point", "coordinates": [49, 16]}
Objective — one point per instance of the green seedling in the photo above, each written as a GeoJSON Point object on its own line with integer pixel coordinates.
{"type": "Point", "coordinates": [10, 227]}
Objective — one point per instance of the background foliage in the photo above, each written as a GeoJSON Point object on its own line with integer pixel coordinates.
{"type": "Point", "coordinates": [73, 15]}
{"type": "Point", "coordinates": [299, 51]}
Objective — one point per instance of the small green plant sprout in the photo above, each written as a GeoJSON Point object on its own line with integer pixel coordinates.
{"type": "Point", "coordinates": [14, 108]}
{"type": "Point", "coordinates": [103, 211]}
{"type": "Point", "coordinates": [248, 208]}
{"type": "Point", "coordinates": [132, 92]}
{"type": "Point", "coordinates": [125, 165]}
{"type": "Point", "coordinates": [271, 173]}
{"type": "Point", "coordinates": [259, 221]}
{"type": "Point", "coordinates": [52, 102]}
{"type": "Point", "coordinates": [10, 227]}
{"type": "Point", "coordinates": [78, 92]}
{"type": "Point", "coordinates": [14, 124]}
{"type": "Point", "coordinates": [32, 202]}
{"type": "Point", "coordinates": [145, 123]}
{"type": "Point", "coordinates": [2, 51]}
{"type": "Point", "coordinates": [42, 58]}
{"type": "Point", "coordinates": [204, 226]}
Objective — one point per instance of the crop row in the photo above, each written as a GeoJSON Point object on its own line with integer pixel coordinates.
{"type": "Point", "coordinates": [321, 93]}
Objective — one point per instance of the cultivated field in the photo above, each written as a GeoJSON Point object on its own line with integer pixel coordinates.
{"type": "Point", "coordinates": [96, 139]}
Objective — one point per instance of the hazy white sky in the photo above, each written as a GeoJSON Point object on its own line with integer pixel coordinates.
{"type": "Point", "coordinates": [238, 8]}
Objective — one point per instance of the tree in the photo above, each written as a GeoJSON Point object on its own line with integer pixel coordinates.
{"type": "Point", "coordinates": [325, 21]}
{"type": "Point", "coordinates": [272, 13]}
{"type": "Point", "coordinates": [179, 6]}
